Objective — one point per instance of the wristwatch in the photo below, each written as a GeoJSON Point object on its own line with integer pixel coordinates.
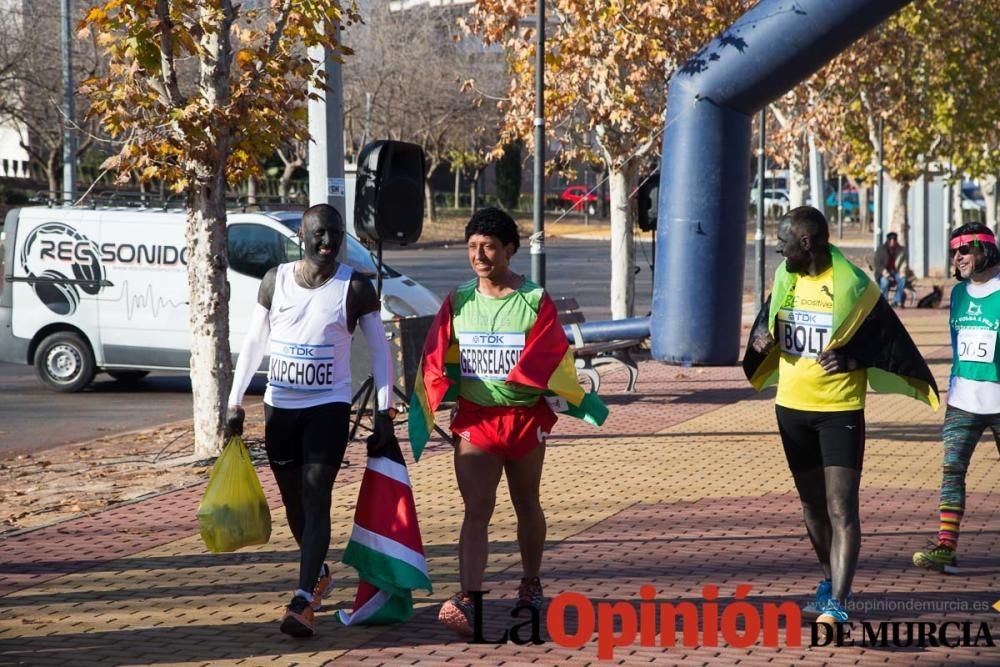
{"type": "Point", "coordinates": [390, 413]}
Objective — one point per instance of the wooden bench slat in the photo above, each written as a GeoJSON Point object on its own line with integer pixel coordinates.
{"type": "Point", "coordinates": [572, 317]}
{"type": "Point", "coordinates": [565, 303]}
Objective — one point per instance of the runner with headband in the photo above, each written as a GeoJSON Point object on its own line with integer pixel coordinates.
{"type": "Point", "coordinates": [974, 388]}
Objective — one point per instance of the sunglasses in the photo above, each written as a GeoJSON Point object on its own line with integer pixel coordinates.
{"type": "Point", "coordinates": [964, 250]}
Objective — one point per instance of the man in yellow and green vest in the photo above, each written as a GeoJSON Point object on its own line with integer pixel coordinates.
{"type": "Point", "coordinates": [823, 336]}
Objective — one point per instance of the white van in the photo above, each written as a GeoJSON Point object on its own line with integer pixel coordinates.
{"type": "Point", "coordinates": [83, 290]}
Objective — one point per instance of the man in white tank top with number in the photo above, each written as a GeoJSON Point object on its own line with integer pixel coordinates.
{"type": "Point", "coordinates": [304, 319]}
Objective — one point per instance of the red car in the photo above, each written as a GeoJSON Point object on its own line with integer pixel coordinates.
{"type": "Point", "coordinates": [574, 196]}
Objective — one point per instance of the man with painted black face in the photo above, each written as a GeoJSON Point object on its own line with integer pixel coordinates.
{"type": "Point", "coordinates": [824, 335]}
{"type": "Point", "coordinates": [308, 311]}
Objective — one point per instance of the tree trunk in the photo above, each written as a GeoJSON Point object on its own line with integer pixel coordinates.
{"type": "Point", "coordinates": [991, 190]}
{"type": "Point", "coordinates": [208, 293]}
{"type": "Point", "coordinates": [52, 175]}
{"type": "Point", "coordinates": [796, 180]}
{"type": "Point", "coordinates": [251, 191]}
{"type": "Point", "coordinates": [458, 182]}
{"type": "Point", "coordinates": [474, 189]}
{"type": "Point", "coordinates": [817, 180]}
{"type": "Point", "coordinates": [430, 210]}
{"type": "Point", "coordinates": [863, 213]}
{"type": "Point", "coordinates": [286, 180]}
{"type": "Point", "coordinates": [622, 246]}
{"type": "Point", "coordinates": [899, 218]}
{"type": "Point", "coordinates": [957, 213]}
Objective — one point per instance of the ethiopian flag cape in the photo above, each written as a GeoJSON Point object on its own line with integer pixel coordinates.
{"type": "Point", "coordinates": [546, 363]}
{"type": "Point", "coordinates": [864, 326]}
{"type": "Point", "coordinates": [385, 546]}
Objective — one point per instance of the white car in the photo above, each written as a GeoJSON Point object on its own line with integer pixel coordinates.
{"type": "Point", "coordinates": [972, 197]}
{"type": "Point", "coordinates": [775, 201]}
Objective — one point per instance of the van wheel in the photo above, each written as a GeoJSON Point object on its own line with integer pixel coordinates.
{"type": "Point", "coordinates": [64, 362]}
{"type": "Point", "coordinates": [128, 376]}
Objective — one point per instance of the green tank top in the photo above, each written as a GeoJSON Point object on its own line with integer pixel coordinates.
{"type": "Point", "coordinates": [974, 325]}
{"type": "Point", "coordinates": [491, 333]}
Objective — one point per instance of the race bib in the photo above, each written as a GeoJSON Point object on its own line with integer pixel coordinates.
{"type": "Point", "coordinates": [301, 367]}
{"type": "Point", "coordinates": [489, 356]}
{"type": "Point", "coordinates": [977, 345]}
{"type": "Point", "coordinates": [803, 333]}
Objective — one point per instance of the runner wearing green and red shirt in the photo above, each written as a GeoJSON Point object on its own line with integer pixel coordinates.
{"type": "Point", "coordinates": [499, 426]}
{"type": "Point", "coordinates": [502, 418]}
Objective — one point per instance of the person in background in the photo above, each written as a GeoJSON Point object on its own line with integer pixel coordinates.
{"type": "Point", "coordinates": [891, 268]}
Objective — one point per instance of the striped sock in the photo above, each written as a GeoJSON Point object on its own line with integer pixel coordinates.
{"type": "Point", "coordinates": [951, 518]}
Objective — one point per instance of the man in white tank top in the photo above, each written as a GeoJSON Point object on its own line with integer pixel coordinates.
{"type": "Point", "coordinates": [305, 316]}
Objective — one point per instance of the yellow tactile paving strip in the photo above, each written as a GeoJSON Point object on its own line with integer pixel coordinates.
{"type": "Point", "coordinates": [177, 605]}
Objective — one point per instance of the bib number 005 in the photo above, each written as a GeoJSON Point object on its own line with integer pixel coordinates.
{"type": "Point", "coordinates": [977, 345]}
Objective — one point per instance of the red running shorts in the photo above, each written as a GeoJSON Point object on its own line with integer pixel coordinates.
{"type": "Point", "coordinates": [505, 431]}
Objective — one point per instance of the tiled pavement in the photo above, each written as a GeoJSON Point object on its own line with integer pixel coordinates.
{"type": "Point", "coordinates": [684, 487]}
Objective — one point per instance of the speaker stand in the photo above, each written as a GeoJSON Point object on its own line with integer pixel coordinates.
{"type": "Point", "coordinates": [365, 392]}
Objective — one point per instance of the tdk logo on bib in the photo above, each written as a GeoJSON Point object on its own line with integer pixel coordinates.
{"type": "Point", "coordinates": [803, 333]}
{"type": "Point", "coordinates": [492, 339]}
{"type": "Point", "coordinates": [489, 356]}
{"type": "Point", "coordinates": [294, 350]}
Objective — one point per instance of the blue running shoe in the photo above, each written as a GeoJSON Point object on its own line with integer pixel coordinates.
{"type": "Point", "coordinates": [823, 594]}
{"type": "Point", "coordinates": [832, 612]}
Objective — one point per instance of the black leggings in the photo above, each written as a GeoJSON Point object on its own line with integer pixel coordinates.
{"type": "Point", "coordinates": [305, 448]}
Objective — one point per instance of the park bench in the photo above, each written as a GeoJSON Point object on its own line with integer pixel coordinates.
{"type": "Point", "coordinates": [590, 358]}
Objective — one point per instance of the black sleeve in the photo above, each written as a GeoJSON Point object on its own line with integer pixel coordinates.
{"type": "Point", "coordinates": [751, 358]}
{"type": "Point", "coordinates": [265, 294]}
{"type": "Point", "coordinates": [361, 300]}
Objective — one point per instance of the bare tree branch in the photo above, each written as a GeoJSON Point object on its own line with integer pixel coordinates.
{"type": "Point", "coordinates": [171, 89]}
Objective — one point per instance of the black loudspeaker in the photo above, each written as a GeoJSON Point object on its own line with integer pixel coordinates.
{"type": "Point", "coordinates": [647, 196]}
{"type": "Point", "coordinates": [389, 193]}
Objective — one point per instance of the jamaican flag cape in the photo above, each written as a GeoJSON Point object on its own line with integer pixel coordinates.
{"type": "Point", "coordinates": [864, 326]}
{"type": "Point", "coordinates": [545, 363]}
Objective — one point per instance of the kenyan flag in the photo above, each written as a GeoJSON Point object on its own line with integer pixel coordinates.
{"type": "Point", "coordinates": [385, 546]}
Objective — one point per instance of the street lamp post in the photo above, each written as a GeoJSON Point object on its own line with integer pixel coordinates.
{"type": "Point", "coordinates": [538, 231]}
{"type": "Point", "coordinates": [880, 196]}
{"type": "Point", "coordinates": [759, 234]}
{"type": "Point", "coordinates": [69, 136]}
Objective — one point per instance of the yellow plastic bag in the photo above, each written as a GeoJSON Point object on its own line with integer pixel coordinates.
{"type": "Point", "coordinates": [234, 512]}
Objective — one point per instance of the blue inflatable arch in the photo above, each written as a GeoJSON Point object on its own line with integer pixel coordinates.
{"type": "Point", "coordinates": [705, 172]}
